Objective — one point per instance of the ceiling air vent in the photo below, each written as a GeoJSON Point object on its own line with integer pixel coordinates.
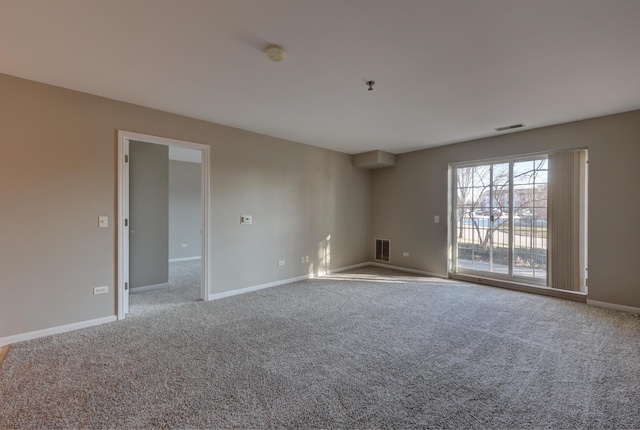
{"type": "Point", "coordinates": [509, 127]}
{"type": "Point", "coordinates": [382, 250]}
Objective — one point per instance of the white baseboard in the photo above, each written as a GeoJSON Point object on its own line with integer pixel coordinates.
{"type": "Point", "coordinates": [149, 288]}
{"type": "Point", "coordinates": [354, 266]}
{"type": "Point", "coordinates": [404, 269]}
{"type": "Point", "coordinates": [224, 294]}
{"type": "Point", "coordinates": [281, 282]}
{"type": "Point", "coordinates": [613, 306]}
{"type": "Point", "coordinates": [55, 330]}
{"type": "Point", "coordinates": [175, 260]}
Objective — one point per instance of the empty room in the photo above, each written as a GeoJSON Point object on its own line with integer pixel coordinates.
{"type": "Point", "coordinates": [319, 214]}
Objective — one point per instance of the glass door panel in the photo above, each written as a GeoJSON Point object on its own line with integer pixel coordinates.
{"type": "Point", "coordinates": [501, 218]}
{"type": "Point", "coordinates": [499, 231]}
{"type": "Point", "coordinates": [530, 219]}
{"type": "Point", "coordinates": [471, 184]}
{"type": "Point", "coordinates": [483, 217]}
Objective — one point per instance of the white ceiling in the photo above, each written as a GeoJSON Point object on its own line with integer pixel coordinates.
{"type": "Point", "coordinates": [445, 70]}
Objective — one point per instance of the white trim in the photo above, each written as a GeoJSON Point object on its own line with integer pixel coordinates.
{"type": "Point", "coordinates": [149, 287]}
{"type": "Point", "coordinates": [576, 296]}
{"type": "Point", "coordinates": [521, 157]}
{"type": "Point", "coordinates": [404, 269]}
{"type": "Point", "coordinates": [345, 268]}
{"type": "Point", "coordinates": [123, 139]}
{"type": "Point", "coordinates": [224, 294]}
{"type": "Point", "coordinates": [205, 246]}
{"type": "Point", "coordinates": [608, 305]}
{"type": "Point", "coordinates": [122, 240]}
{"type": "Point", "coordinates": [55, 330]}
{"type": "Point", "coordinates": [281, 282]}
{"type": "Point", "coordinates": [175, 260]}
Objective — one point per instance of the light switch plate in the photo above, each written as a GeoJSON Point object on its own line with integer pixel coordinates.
{"type": "Point", "coordinates": [436, 218]}
{"type": "Point", "coordinates": [246, 219]}
{"type": "Point", "coordinates": [103, 221]}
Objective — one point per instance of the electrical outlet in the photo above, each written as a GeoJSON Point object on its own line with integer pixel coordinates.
{"type": "Point", "coordinates": [405, 254]}
{"type": "Point", "coordinates": [306, 258]}
{"type": "Point", "coordinates": [281, 263]}
{"type": "Point", "coordinates": [302, 259]}
{"type": "Point", "coordinates": [436, 218]}
{"type": "Point", "coordinates": [100, 290]}
{"type": "Point", "coordinates": [184, 245]}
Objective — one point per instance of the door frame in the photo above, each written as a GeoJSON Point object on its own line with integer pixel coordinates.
{"type": "Point", "coordinates": [124, 137]}
{"type": "Point", "coordinates": [453, 221]}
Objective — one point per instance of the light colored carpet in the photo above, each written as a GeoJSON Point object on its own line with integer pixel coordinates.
{"type": "Point", "coordinates": [371, 348]}
{"type": "Point", "coordinates": [184, 287]}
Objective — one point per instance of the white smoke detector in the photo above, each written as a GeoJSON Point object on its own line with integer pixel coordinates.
{"type": "Point", "coordinates": [275, 53]}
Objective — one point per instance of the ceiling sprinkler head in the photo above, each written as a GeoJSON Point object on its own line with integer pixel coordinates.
{"type": "Point", "coordinates": [370, 84]}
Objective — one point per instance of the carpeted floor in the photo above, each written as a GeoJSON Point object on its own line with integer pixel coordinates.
{"type": "Point", "coordinates": [184, 287]}
{"type": "Point", "coordinates": [369, 348]}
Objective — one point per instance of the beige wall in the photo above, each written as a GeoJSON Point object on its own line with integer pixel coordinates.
{"type": "Point", "coordinates": [407, 197]}
{"type": "Point", "coordinates": [58, 173]}
{"type": "Point", "coordinates": [185, 209]}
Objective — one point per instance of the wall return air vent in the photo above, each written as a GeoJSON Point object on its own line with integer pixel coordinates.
{"type": "Point", "coordinates": [509, 127]}
{"type": "Point", "coordinates": [382, 249]}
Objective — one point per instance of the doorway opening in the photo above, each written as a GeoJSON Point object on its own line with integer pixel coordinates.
{"type": "Point", "coordinates": [163, 206]}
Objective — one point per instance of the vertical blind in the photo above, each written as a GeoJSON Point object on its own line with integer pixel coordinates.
{"type": "Point", "coordinates": [566, 220]}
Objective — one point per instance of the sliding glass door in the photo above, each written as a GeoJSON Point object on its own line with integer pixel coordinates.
{"type": "Point", "coordinates": [501, 217]}
{"type": "Point", "coordinates": [530, 219]}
